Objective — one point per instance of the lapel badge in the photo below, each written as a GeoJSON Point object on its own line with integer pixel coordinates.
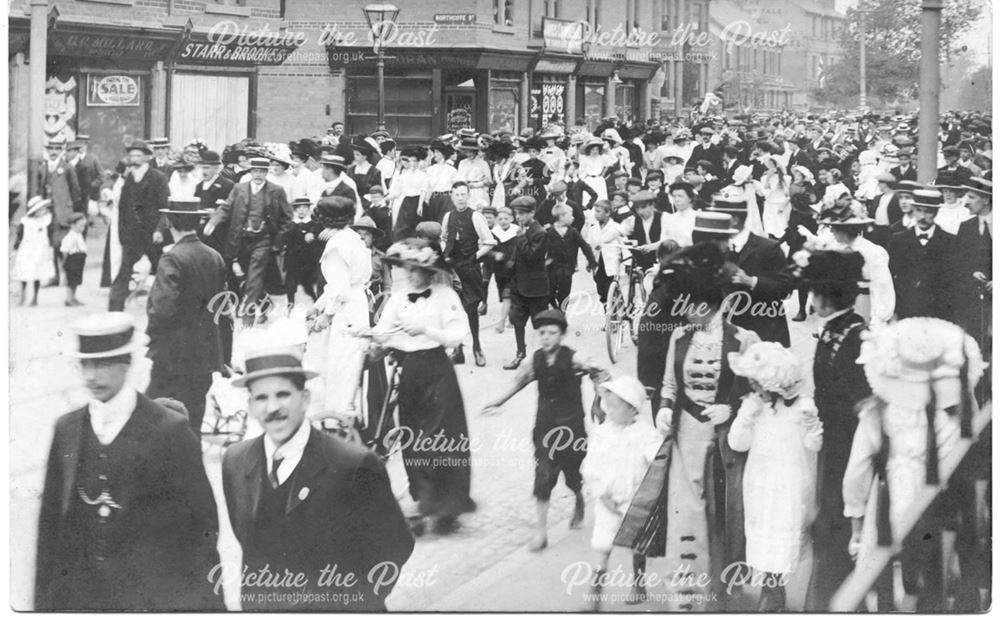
{"type": "Point", "coordinates": [303, 494]}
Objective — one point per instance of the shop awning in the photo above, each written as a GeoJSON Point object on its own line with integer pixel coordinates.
{"type": "Point", "coordinates": [105, 43]}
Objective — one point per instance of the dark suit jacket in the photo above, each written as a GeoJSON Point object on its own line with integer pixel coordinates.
{"type": "Point", "coordinates": [340, 512]}
{"type": "Point", "coordinates": [911, 173]}
{"type": "Point", "coordinates": [529, 277]}
{"type": "Point", "coordinates": [895, 212]}
{"type": "Point", "coordinates": [544, 213]}
{"type": "Point", "coordinates": [923, 275]}
{"type": "Point", "coordinates": [183, 335]}
{"type": "Point", "coordinates": [169, 526]}
{"type": "Point", "coordinates": [236, 210]}
{"type": "Point", "coordinates": [801, 157]}
{"type": "Point", "coordinates": [218, 190]}
{"type": "Point", "coordinates": [88, 174]}
{"type": "Point", "coordinates": [763, 312]}
{"type": "Point", "coordinates": [139, 208]}
{"type": "Point", "coordinates": [575, 190]}
{"type": "Point", "coordinates": [62, 187]}
{"type": "Point", "coordinates": [712, 154]}
{"type": "Point", "coordinates": [975, 254]}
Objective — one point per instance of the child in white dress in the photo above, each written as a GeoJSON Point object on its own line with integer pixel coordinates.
{"type": "Point", "coordinates": [33, 259]}
{"type": "Point", "coordinates": [619, 452]}
{"type": "Point", "coordinates": [782, 433]}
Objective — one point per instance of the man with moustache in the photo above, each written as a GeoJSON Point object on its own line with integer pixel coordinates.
{"type": "Point", "coordinates": [128, 520]}
{"type": "Point", "coordinates": [308, 503]}
{"type": "Point", "coordinates": [921, 261]}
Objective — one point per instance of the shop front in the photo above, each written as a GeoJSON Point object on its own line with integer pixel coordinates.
{"type": "Point", "coordinates": [432, 92]}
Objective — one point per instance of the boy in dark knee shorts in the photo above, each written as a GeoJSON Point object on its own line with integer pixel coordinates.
{"type": "Point", "coordinates": [529, 283]}
{"type": "Point", "coordinates": [559, 435]}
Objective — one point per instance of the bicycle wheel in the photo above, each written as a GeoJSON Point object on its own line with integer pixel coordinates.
{"type": "Point", "coordinates": [637, 307]}
{"type": "Point", "coordinates": [613, 320]}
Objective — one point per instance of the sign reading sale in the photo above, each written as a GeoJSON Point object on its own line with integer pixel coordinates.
{"type": "Point", "coordinates": [112, 90]}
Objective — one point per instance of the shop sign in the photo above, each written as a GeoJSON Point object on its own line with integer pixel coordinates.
{"type": "Point", "coordinates": [113, 90]}
{"type": "Point", "coordinates": [109, 47]}
{"type": "Point", "coordinates": [549, 66]}
{"type": "Point", "coordinates": [562, 35]}
{"type": "Point", "coordinates": [454, 18]}
{"type": "Point", "coordinates": [234, 53]}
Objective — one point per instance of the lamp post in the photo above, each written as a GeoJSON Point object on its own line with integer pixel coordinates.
{"type": "Point", "coordinates": [381, 20]}
{"type": "Point", "coordinates": [930, 89]}
{"type": "Point", "coordinates": [863, 70]}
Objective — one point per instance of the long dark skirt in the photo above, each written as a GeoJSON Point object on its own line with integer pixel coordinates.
{"type": "Point", "coordinates": [407, 219]}
{"type": "Point", "coordinates": [436, 436]}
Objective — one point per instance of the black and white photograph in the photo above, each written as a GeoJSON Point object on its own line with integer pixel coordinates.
{"type": "Point", "coordinates": [500, 306]}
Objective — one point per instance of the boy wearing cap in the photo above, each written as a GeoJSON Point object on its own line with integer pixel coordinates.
{"type": "Point", "coordinates": [921, 261]}
{"type": "Point", "coordinates": [303, 251]}
{"type": "Point", "coordinates": [307, 502]}
{"type": "Point", "coordinates": [128, 520]}
{"type": "Point", "coordinates": [184, 344]}
{"type": "Point", "coordinates": [529, 284]}
{"type": "Point", "coordinates": [559, 434]}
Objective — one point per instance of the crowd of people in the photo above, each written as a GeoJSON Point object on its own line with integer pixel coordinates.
{"type": "Point", "coordinates": [718, 454]}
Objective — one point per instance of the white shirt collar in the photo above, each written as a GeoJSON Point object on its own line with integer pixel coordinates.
{"type": "Point", "coordinates": [140, 171]}
{"type": "Point", "coordinates": [739, 240]}
{"type": "Point", "coordinates": [255, 187]}
{"type": "Point", "coordinates": [208, 183]}
{"type": "Point", "coordinates": [290, 452]}
{"type": "Point", "coordinates": [108, 418]}
{"type": "Point", "coordinates": [929, 232]}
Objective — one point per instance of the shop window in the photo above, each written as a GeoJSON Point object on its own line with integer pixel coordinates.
{"type": "Point", "coordinates": [625, 102]}
{"type": "Point", "coordinates": [408, 106]}
{"type": "Point", "coordinates": [503, 12]}
{"type": "Point", "coordinates": [505, 109]}
{"type": "Point", "coordinates": [593, 104]}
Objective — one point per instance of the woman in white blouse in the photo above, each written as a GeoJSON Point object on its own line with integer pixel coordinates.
{"type": "Point", "coordinates": [342, 310]}
{"type": "Point", "coordinates": [407, 193]}
{"type": "Point", "coordinates": [419, 322]}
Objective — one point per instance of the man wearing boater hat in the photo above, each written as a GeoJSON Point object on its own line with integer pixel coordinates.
{"type": "Point", "coordinates": [128, 520]}
{"type": "Point", "coordinates": [257, 218]}
{"type": "Point", "coordinates": [921, 261]}
{"type": "Point", "coordinates": [974, 264]}
{"type": "Point", "coordinates": [184, 341]}
{"type": "Point", "coordinates": [309, 503]}
{"type": "Point", "coordinates": [143, 194]}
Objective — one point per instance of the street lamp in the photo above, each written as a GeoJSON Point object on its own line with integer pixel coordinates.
{"type": "Point", "coordinates": [381, 21]}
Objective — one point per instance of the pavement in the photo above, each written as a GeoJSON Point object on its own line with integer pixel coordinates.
{"type": "Point", "coordinates": [484, 566]}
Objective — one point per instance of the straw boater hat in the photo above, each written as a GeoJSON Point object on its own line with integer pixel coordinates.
{"type": "Point", "coordinates": [367, 223]}
{"type": "Point", "coordinates": [185, 206]}
{"type": "Point", "coordinates": [301, 201]}
{"type": "Point", "coordinates": [106, 335]}
{"type": "Point", "coordinates": [416, 252]}
{"type": "Point", "coordinates": [908, 187]}
{"type": "Point", "coordinates": [159, 142]}
{"type": "Point", "coordinates": [270, 361]}
{"type": "Point", "coordinates": [980, 186]}
{"type": "Point", "coordinates": [36, 204]}
{"type": "Point", "coordinates": [712, 225]}
{"type": "Point", "coordinates": [260, 162]}
{"type": "Point", "coordinates": [947, 180]}
{"type": "Point", "coordinates": [469, 144]}
{"type": "Point", "coordinates": [332, 160]}
{"type": "Point", "coordinates": [927, 198]}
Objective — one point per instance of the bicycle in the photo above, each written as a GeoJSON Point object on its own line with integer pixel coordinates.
{"type": "Point", "coordinates": [625, 302]}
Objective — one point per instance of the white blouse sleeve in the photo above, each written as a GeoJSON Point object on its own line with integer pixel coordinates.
{"type": "Point", "coordinates": [883, 294]}
{"type": "Point", "coordinates": [454, 323]}
{"type": "Point", "coordinates": [861, 465]}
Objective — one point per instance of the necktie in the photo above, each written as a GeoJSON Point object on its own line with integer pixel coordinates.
{"type": "Point", "coordinates": [413, 297]}
{"type": "Point", "coordinates": [273, 475]}
{"type": "Point", "coordinates": [923, 237]}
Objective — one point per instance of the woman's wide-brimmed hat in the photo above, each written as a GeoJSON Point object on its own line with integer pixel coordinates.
{"type": "Point", "coordinates": [416, 252]}
{"type": "Point", "coordinates": [594, 142]}
{"type": "Point", "coordinates": [106, 335]}
{"type": "Point", "coordinates": [980, 186]}
{"type": "Point", "coordinates": [367, 223]}
{"type": "Point", "coordinates": [775, 368]}
{"type": "Point", "coordinates": [907, 361]}
{"type": "Point", "coordinates": [272, 361]}
{"type": "Point", "coordinates": [853, 214]}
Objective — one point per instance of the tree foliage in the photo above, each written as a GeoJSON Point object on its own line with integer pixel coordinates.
{"type": "Point", "coordinates": [892, 31]}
